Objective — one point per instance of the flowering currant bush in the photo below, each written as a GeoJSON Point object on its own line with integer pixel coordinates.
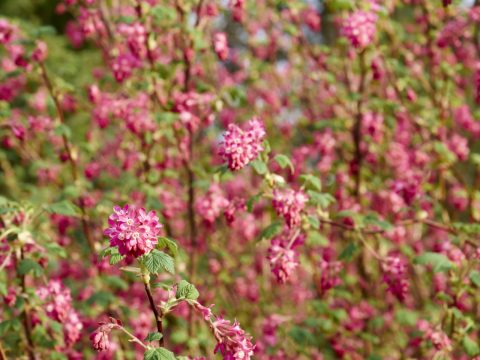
{"type": "Point", "coordinates": [270, 179]}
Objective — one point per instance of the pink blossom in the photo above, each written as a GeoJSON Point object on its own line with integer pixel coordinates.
{"type": "Point", "coordinates": [72, 328]}
{"type": "Point", "coordinates": [360, 28]}
{"type": "Point", "coordinates": [99, 338]}
{"type": "Point", "coordinates": [136, 35]}
{"type": "Point", "coordinates": [40, 52]}
{"type": "Point", "coordinates": [232, 342]}
{"type": "Point", "coordinates": [6, 31]}
{"type": "Point", "coordinates": [289, 204]}
{"type": "Point", "coordinates": [329, 274]}
{"type": "Point", "coordinates": [123, 66]}
{"type": "Point", "coordinates": [372, 124]}
{"type": "Point", "coordinates": [394, 272]}
{"type": "Point", "coordinates": [464, 118]}
{"type": "Point", "coordinates": [58, 298]}
{"type": "Point", "coordinates": [239, 147]}
{"type": "Point", "coordinates": [459, 146]}
{"type": "Point", "coordinates": [220, 45]}
{"type": "Point", "coordinates": [212, 204]}
{"type": "Point", "coordinates": [312, 19]}
{"type": "Point", "coordinates": [282, 261]}
{"type": "Point", "coordinates": [133, 230]}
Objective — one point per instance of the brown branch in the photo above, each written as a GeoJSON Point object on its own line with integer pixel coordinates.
{"type": "Point", "coordinates": [3, 355]}
{"type": "Point", "coordinates": [156, 313]}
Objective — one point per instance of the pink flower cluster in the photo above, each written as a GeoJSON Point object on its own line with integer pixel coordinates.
{"type": "Point", "coordinates": [289, 204]}
{"type": "Point", "coordinates": [329, 274]}
{"type": "Point", "coordinates": [239, 147]}
{"type": "Point", "coordinates": [394, 272]}
{"type": "Point", "coordinates": [210, 206]}
{"type": "Point", "coordinates": [360, 28]}
{"type": "Point", "coordinates": [220, 45]}
{"type": "Point", "coordinates": [464, 118]}
{"type": "Point", "coordinates": [232, 341]}
{"type": "Point", "coordinates": [99, 338]}
{"type": "Point", "coordinates": [282, 261]}
{"type": "Point", "coordinates": [58, 306]}
{"type": "Point", "coordinates": [133, 230]}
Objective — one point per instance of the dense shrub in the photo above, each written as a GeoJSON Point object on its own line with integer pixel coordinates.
{"type": "Point", "coordinates": [311, 168]}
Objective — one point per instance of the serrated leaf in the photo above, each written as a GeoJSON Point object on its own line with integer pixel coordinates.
{"type": "Point", "coordinates": [284, 161]}
{"type": "Point", "coordinates": [158, 354]}
{"type": "Point", "coordinates": [185, 290]}
{"type": "Point", "coordinates": [63, 208]}
{"type": "Point", "coordinates": [115, 259]}
{"type": "Point", "coordinates": [153, 336]}
{"type": "Point", "coordinates": [170, 244]}
{"type": "Point", "coordinates": [439, 262]}
{"type": "Point", "coordinates": [157, 261]}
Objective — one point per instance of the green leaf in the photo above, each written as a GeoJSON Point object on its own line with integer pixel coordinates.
{"type": "Point", "coordinates": [315, 238]}
{"type": "Point", "coordinates": [131, 269]}
{"type": "Point", "coordinates": [406, 317]}
{"type": "Point", "coordinates": [475, 277]}
{"type": "Point", "coordinates": [63, 130]}
{"type": "Point", "coordinates": [313, 181]}
{"type": "Point", "coordinates": [116, 282]}
{"type": "Point", "coordinates": [63, 208]}
{"type": "Point", "coordinates": [115, 259]}
{"type": "Point", "coordinates": [284, 161]}
{"type": "Point", "coordinates": [158, 354]}
{"type": "Point", "coordinates": [253, 200]}
{"type": "Point", "coordinates": [163, 13]}
{"type": "Point", "coordinates": [170, 244]}
{"type": "Point", "coordinates": [153, 336]}
{"type": "Point", "coordinates": [271, 230]}
{"type": "Point", "coordinates": [439, 262]}
{"type": "Point", "coordinates": [259, 166]}
{"type": "Point", "coordinates": [55, 249]}
{"type": "Point", "coordinates": [157, 261]}
{"type": "Point", "coordinates": [348, 252]}
{"type": "Point", "coordinates": [470, 346]}
{"type": "Point", "coordinates": [320, 199]}
{"type": "Point", "coordinates": [185, 290]}
{"type": "Point", "coordinates": [467, 228]}
{"type": "Point", "coordinates": [27, 265]}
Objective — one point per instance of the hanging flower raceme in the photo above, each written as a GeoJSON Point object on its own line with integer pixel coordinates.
{"type": "Point", "coordinates": [394, 272]}
{"type": "Point", "coordinates": [58, 306]}
{"type": "Point", "coordinates": [233, 342]}
{"type": "Point", "coordinates": [212, 204]}
{"type": "Point", "coordinates": [133, 230]}
{"type": "Point", "coordinates": [360, 28]}
{"type": "Point", "coordinates": [282, 261]}
{"type": "Point", "coordinates": [100, 337]}
{"type": "Point", "coordinates": [239, 147]}
{"type": "Point", "coordinates": [289, 204]}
